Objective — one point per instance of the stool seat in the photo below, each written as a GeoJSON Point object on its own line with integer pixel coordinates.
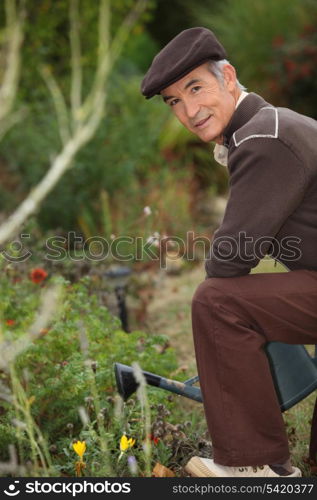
{"type": "Point", "coordinates": [293, 370]}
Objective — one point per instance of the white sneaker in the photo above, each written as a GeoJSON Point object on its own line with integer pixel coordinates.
{"type": "Point", "coordinates": [206, 467]}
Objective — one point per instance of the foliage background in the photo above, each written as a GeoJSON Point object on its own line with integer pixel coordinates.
{"type": "Point", "coordinates": [140, 157]}
{"type": "Point", "coordinates": [134, 144]}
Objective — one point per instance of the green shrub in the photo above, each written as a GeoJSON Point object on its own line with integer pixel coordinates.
{"type": "Point", "coordinates": [70, 366]}
{"type": "Point", "coordinates": [247, 30]}
{"type": "Point", "coordinates": [294, 74]}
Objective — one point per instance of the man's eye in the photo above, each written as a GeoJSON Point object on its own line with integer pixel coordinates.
{"type": "Point", "coordinates": [195, 89]}
{"type": "Point", "coordinates": [173, 102]}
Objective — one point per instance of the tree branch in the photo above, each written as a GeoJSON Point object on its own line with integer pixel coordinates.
{"type": "Point", "coordinates": [13, 42]}
{"type": "Point", "coordinates": [90, 114]}
{"type": "Point", "coordinates": [59, 103]}
{"type": "Point", "coordinates": [76, 67]}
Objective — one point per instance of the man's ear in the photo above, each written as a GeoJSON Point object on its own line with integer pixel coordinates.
{"type": "Point", "coordinates": [229, 76]}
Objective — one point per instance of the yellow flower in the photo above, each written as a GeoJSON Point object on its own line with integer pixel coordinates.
{"type": "Point", "coordinates": [126, 443]}
{"type": "Point", "coordinates": [80, 448]}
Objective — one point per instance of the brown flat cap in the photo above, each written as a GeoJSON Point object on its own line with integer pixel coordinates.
{"type": "Point", "coordinates": [189, 49]}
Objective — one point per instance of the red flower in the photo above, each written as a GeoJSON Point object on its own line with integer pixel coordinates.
{"type": "Point", "coordinates": [38, 275]}
{"type": "Point", "coordinates": [154, 439]}
{"type": "Point", "coordinates": [10, 322]}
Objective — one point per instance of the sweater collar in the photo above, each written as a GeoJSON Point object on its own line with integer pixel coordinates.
{"type": "Point", "coordinates": [247, 108]}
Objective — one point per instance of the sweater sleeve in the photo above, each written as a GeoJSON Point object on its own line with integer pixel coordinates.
{"type": "Point", "coordinates": [267, 184]}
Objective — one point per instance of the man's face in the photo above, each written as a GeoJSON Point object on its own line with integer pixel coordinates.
{"type": "Point", "coordinates": [202, 103]}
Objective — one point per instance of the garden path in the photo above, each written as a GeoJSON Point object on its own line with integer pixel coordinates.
{"type": "Point", "coordinates": [169, 312]}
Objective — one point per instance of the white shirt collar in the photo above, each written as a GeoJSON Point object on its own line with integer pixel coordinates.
{"type": "Point", "coordinates": [221, 151]}
{"type": "Point", "coordinates": [241, 97]}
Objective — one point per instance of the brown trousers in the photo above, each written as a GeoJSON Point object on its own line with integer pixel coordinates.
{"type": "Point", "coordinates": [232, 319]}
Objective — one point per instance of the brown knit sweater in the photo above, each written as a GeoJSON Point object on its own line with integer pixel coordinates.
{"type": "Point", "coordinates": [272, 205]}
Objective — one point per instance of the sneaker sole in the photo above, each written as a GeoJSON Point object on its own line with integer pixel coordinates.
{"type": "Point", "coordinates": [196, 468]}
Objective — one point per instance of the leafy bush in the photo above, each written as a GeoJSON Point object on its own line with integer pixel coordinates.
{"type": "Point", "coordinates": [70, 366]}
{"type": "Point", "coordinates": [294, 72]}
{"type": "Point", "coordinates": [247, 30]}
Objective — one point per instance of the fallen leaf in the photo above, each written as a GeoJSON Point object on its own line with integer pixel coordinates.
{"type": "Point", "coordinates": [162, 471]}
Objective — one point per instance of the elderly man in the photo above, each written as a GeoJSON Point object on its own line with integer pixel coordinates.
{"type": "Point", "coordinates": [271, 154]}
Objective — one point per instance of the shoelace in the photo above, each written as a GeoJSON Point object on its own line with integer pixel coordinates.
{"type": "Point", "coordinates": [246, 469]}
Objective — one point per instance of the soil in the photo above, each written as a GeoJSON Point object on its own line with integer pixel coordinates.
{"type": "Point", "coordinates": [169, 312]}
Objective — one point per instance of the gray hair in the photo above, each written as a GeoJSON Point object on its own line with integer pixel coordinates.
{"type": "Point", "coordinates": [215, 67]}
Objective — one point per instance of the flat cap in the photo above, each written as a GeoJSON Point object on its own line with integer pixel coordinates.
{"type": "Point", "coordinates": [189, 49]}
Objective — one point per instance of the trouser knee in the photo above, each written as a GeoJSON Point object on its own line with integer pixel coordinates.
{"type": "Point", "coordinates": [208, 292]}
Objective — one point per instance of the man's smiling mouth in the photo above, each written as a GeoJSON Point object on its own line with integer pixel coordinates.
{"type": "Point", "coordinates": [201, 123]}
